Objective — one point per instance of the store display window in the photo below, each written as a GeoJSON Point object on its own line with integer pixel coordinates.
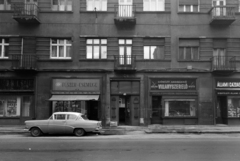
{"type": "Point", "coordinates": [70, 106]}
{"type": "Point", "coordinates": [12, 106]}
{"type": "Point", "coordinates": [233, 106]}
{"type": "Point", "coordinates": [180, 107]}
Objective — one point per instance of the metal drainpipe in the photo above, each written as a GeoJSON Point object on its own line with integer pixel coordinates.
{"type": "Point", "coordinates": [21, 60]}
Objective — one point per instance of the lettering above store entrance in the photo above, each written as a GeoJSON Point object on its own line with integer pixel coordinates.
{"type": "Point", "coordinates": [76, 84]}
{"type": "Point", "coordinates": [173, 84]}
{"type": "Point", "coordinates": [228, 84]}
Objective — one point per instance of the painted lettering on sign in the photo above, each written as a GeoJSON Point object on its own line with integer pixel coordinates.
{"type": "Point", "coordinates": [228, 84]}
{"type": "Point", "coordinates": [76, 84]}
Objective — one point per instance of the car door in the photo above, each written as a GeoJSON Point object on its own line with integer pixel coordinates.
{"type": "Point", "coordinates": [57, 125]}
{"type": "Point", "coordinates": [71, 121]}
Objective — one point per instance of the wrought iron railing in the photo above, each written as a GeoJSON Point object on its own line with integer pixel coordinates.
{"type": "Point", "coordinates": [25, 61]}
{"type": "Point", "coordinates": [125, 11]}
{"type": "Point", "coordinates": [126, 61]}
{"type": "Point", "coordinates": [25, 9]}
{"type": "Point", "coordinates": [223, 63]}
{"type": "Point", "coordinates": [223, 12]}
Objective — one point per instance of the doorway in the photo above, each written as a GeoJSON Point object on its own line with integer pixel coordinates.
{"type": "Point", "coordinates": [124, 110]}
{"type": "Point", "coordinates": [222, 110]}
{"type": "Point", "coordinates": [156, 110]}
{"type": "Point", "coordinates": [92, 110]}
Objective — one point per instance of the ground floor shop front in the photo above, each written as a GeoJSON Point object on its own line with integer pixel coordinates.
{"type": "Point", "coordinates": [137, 100]}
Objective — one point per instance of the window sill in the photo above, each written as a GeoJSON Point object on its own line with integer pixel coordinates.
{"type": "Point", "coordinates": [191, 12]}
{"type": "Point", "coordinates": [153, 11]}
{"type": "Point", "coordinates": [97, 60]}
{"type": "Point", "coordinates": [180, 117]}
{"type": "Point", "coordinates": [6, 11]}
{"type": "Point", "coordinates": [194, 61]}
{"type": "Point", "coordinates": [15, 117]}
{"type": "Point", "coordinates": [55, 60]}
{"type": "Point", "coordinates": [56, 12]}
{"type": "Point", "coordinates": [153, 60]}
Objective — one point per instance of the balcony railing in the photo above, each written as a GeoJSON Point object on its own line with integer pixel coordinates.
{"type": "Point", "coordinates": [26, 13]}
{"type": "Point", "coordinates": [125, 14]}
{"type": "Point", "coordinates": [24, 62]}
{"type": "Point", "coordinates": [126, 63]}
{"type": "Point", "coordinates": [223, 63]}
{"type": "Point", "coordinates": [222, 15]}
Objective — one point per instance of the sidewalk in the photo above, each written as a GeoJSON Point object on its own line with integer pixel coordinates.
{"type": "Point", "coordinates": [124, 130]}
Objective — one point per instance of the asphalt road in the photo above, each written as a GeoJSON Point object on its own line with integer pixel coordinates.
{"type": "Point", "coordinates": [138, 147]}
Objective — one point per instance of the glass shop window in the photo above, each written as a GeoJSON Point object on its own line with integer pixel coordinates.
{"type": "Point", "coordinates": [64, 106]}
{"type": "Point", "coordinates": [233, 106]}
{"type": "Point", "coordinates": [10, 106]}
{"type": "Point", "coordinates": [180, 107]}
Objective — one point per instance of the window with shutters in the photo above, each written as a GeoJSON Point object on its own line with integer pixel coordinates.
{"type": "Point", "coordinates": [188, 49]}
{"type": "Point", "coordinates": [153, 49]}
{"type": "Point", "coordinates": [153, 5]}
{"type": "Point", "coordinates": [62, 5]}
{"type": "Point", "coordinates": [5, 4]}
{"type": "Point", "coordinates": [188, 6]}
{"type": "Point", "coordinates": [4, 45]}
{"type": "Point", "coordinates": [98, 5]}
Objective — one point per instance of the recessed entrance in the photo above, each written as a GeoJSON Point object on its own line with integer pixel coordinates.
{"type": "Point", "coordinates": [222, 110]}
{"type": "Point", "coordinates": [124, 110]}
{"type": "Point", "coordinates": [156, 110]}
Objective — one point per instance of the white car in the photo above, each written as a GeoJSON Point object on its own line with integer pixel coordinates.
{"type": "Point", "coordinates": [63, 123]}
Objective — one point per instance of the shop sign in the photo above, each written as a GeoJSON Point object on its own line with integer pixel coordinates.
{"type": "Point", "coordinates": [173, 84]}
{"type": "Point", "coordinates": [233, 93]}
{"type": "Point", "coordinates": [76, 85]}
{"type": "Point", "coordinates": [228, 83]}
{"type": "Point", "coordinates": [16, 84]}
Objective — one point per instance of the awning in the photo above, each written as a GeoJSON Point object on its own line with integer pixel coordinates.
{"type": "Point", "coordinates": [73, 97]}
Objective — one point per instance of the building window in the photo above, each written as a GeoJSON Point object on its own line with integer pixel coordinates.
{"type": "Point", "coordinates": [4, 48]}
{"type": "Point", "coordinates": [188, 49]}
{"type": "Point", "coordinates": [180, 107]}
{"type": "Point", "coordinates": [153, 5]}
{"type": "Point", "coordinates": [98, 5]}
{"type": "Point", "coordinates": [62, 5]}
{"type": "Point", "coordinates": [125, 51]}
{"type": "Point", "coordinates": [96, 48]}
{"type": "Point", "coordinates": [10, 106]}
{"type": "Point", "coordinates": [5, 4]}
{"type": "Point", "coordinates": [60, 48]}
{"type": "Point", "coordinates": [188, 8]}
{"type": "Point", "coordinates": [153, 52]}
{"type": "Point", "coordinates": [233, 106]}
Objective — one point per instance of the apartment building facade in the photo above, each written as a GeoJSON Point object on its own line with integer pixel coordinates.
{"type": "Point", "coordinates": [126, 62]}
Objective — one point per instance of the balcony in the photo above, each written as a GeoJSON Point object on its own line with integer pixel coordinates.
{"type": "Point", "coordinates": [24, 62]}
{"type": "Point", "coordinates": [125, 15]}
{"type": "Point", "coordinates": [125, 63]}
{"type": "Point", "coordinates": [26, 13]}
{"type": "Point", "coordinates": [222, 15]}
{"type": "Point", "coordinates": [223, 64]}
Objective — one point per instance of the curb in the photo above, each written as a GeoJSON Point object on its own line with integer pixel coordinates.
{"type": "Point", "coordinates": [190, 132]}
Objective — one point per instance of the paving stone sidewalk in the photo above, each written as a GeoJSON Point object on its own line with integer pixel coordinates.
{"type": "Point", "coordinates": [124, 130]}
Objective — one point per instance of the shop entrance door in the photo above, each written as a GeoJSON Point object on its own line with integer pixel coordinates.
{"type": "Point", "coordinates": [124, 110]}
{"type": "Point", "coordinates": [92, 110]}
{"type": "Point", "coordinates": [221, 110]}
{"type": "Point", "coordinates": [156, 110]}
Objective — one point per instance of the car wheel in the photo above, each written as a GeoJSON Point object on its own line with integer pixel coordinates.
{"type": "Point", "coordinates": [79, 132]}
{"type": "Point", "coordinates": [35, 132]}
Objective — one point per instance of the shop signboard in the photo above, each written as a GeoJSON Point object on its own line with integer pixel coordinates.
{"type": "Point", "coordinates": [229, 83]}
{"type": "Point", "coordinates": [173, 84]}
{"type": "Point", "coordinates": [76, 85]}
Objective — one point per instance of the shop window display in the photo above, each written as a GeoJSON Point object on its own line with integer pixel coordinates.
{"type": "Point", "coordinates": [180, 108]}
{"type": "Point", "coordinates": [233, 106]}
{"type": "Point", "coordinates": [10, 106]}
{"type": "Point", "coordinates": [70, 106]}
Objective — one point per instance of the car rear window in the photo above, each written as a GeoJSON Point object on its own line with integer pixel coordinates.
{"type": "Point", "coordinates": [59, 117]}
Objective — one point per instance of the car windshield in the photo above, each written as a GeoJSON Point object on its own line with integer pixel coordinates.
{"type": "Point", "coordinates": [50, 118]}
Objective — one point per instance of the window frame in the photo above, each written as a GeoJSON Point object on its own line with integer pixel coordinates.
{"type": "Point", "coordinates": [64, 45]}
{"type": "Point", "coordinates": [150, 54]}
{"type": "Point", "coordinates": [191, 7]}
{"type": "Point", "coordinates": [6, 6]}
{"type": "Point", "coordinates": [101, 5]}
{"type": "Point", "coordinates": [58, 6]}
{"type": "Point", "coordinates": [156, 9]}
{"type": "Point", "coordinates": [3, 46]}
{"type": "Point", "coordinates": [100, 46]}
{"type": "Point", "coordinates": [166, 109]}
{"type": "Point", "coordinates": [185, 53]}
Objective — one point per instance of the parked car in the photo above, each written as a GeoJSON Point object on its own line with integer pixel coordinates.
{"type": "Point", "coordinates": [63, 123]}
